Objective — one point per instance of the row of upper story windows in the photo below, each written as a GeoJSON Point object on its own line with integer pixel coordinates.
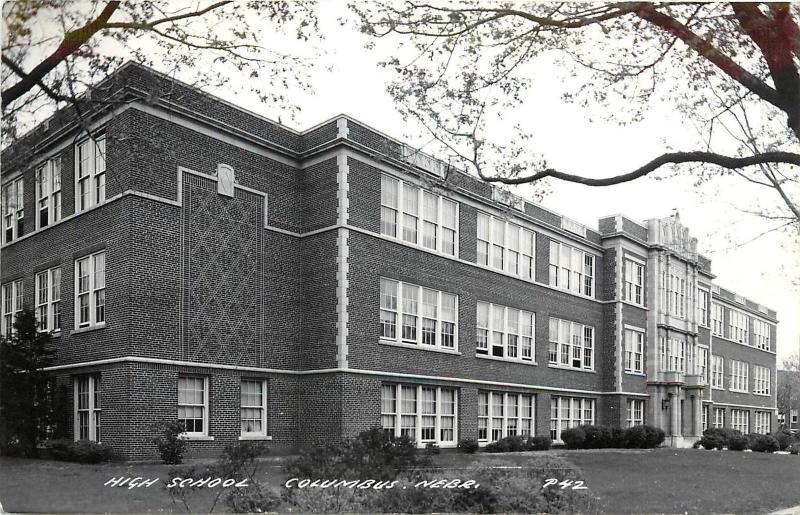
{"type": "Point", "coordinates": [90, 296]}
{"type": "Point", "coordinates": [90, 189]}
{"type": "Point", "coordinates": [738, 327]}
{"type": "Point", "coordinates": [418, 217]}
{"type": "Point", "coordinates": [412, 315]}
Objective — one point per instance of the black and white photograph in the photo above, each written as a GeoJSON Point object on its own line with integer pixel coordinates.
{"type": "Point", "coordinates": [400, 256]}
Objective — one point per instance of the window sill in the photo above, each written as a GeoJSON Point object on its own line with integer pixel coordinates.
{"type": "Point", "coordinates": [630, 373]}
{"type": "Point", "coordinates": [762, 394]}
{"type": "Point", "coordinates": [255, 437]}
{"type": "Point", "coordinates": [90, 328]}
{"type": "Point", "coordinates": [563, 367]}
{"type": "Point", "coordinates": [505, 360]}
{"type": "Point", "coordinates": [720, 388]}
{"type": "Point", "coordinates": [197, 438]}
{"type": "Point", "coordinates": [393, 343]}
{"type": "Point", "coordinates": [737, 391]}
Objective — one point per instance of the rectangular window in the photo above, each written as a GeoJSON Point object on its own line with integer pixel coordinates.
{"type": "Point", "coordinates": [635, 412]}
{"type": "Point", "coordinates": [567, 412]}
{"type": "Point", "coordinates": [761, 333]}
{"type": "Point", "coordinates": [674, 355]}
{"type": "Point", "coordinates": [740, 420]}
{"type": "Point", "coordinates": [13, 210]}
{"type": "Point", "coordinates": [702, 307]}
{"type": "Point", "coordinates": [633, 289]}
{"type": "Point", "coordinates": [739, 327]}
{"type": "Point", "coordinates": [193, 405]}
{"type": "Point", "coordinates": [510, 331]}
{"type": "Point", "coordinates": [253, 407]}
{"type": "Point", "coordinates": [90, 290]}
{"type": "Point", "coordinates": [505, 246]}
{"type": "Point", "coordinates": [705, 417]}
{"type": "Point", "coordinates": [48, 299]}
{"type": "Point", "coordinates": [676, 293]}
{"type": "Point", "coordinates": [426, 414]}
{"type": "Point", "coordinates": [794, 416]}
{"type": "Point", "coordinates": [511, 414]}
{"type": "Point", "coordinates": [717, 318]}
{"type": "Point", "coordinates": [428, 317]}
{"type": "Point", "coordinates": [90, 173]}
{"type": "Point", "coordinates": [739, 376]}
{"type": "Point", "coordinates": [634, 351]}
{"type": "Point", "coordinates": [701, 364]}
{"type": "Point", "coordinates": [761, 380]}
{"type": "Point", "coordinates": [719, 417]}
{"type": "Point", "coordinates": [425, 219]}
{"type": "Point", "coordinates": [762, 421]}
{"type": "Point", "coordinates": [88, 408]}
{"type": "Point", "coordinates": [717, 372]}
{"type": "Point", "coordinates": [48, 193]}
{"type": "Point", "coordinates": [571, 269]}
{"type": "Point", "coordinates": [12, 305]}
{"type": "Point", "coordinates": [571, 345]}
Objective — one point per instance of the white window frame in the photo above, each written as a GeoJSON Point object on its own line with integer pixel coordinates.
{"type": "Point", "coordinates": [635, 412]}
{"type": "Point", "coordinates": [739, 376]}
{"type": "Point", "coordinates": [761, 334]}
{"type": "Point", "coordinates": [48, 305]}
{"type": "Point", "coordinates": [514, 244]}
{"type": "Point", "coordinates": [676, 294]}
{"type": "Point", "coordinates": [701, 362]}
{"type": "Point", "coordinates": [719, 417]}
{"type": "Point", "coordinates": [12, 302]}
{"type": "Point", "coordinates": [402, 211]}
{"type": "Point", "coordinates": [674, 355]}
{"type": "Point", "coordinates": [739, 326]}
{"type": "Point", "coordinates": [633, 284]}
{"type": "Point", "coordinates": [564, 276]}
{"type": "Point", "coordinates": [761, 380]}
{"type": "Point", "coordinates": [396, 412]}
{"type": "Point", "coordinates": [261, 406]}
{"type": "Point", "coordinates": [762, 422]}
{"type": "Point", "coordinates": [576, 341]}
{"type": "Point", "coordinates": [717, 372]}
{"type": "Point", "coordinates": [93, 408]}
{"type": "Point", "coordinates": [706, 409]}
{"type": "Point", "coordinates": [571, 406]}
{"type": "Point", "coordinates": [717, 319]}
{"type": "Point", "coordinates": [94, 291]}
{"type": "Point", "coordinates": [95, 176]}
{"type": "Point", "coordinates": [49, 197]}
{"type": "Point", "coordinates": [740, 420]}
{"type": "Point", "coordinates": [703, 314]}
{"type": "Point", "coordinates": [13, 209]}
{"type": "Point", "coordinates": [507, 329]}
{"type": "Point", "coordinates": [400, 311]}
{"type": "Point", "coordinates": [794, 414]}
{"type": "Point", "coordinates": [203, 405]}
{"type": "Point", "coordinates": [489, 401]}
{"type": "Point", "coordinates": [634, 350]}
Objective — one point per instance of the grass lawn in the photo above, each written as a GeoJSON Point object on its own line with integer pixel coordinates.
{"type": "Point", "coordinates": [624, 481]}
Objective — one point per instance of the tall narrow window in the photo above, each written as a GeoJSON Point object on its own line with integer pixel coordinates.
{"type": "Point", "coordinates": [12, 305]}
{"type": "Point", "coordinates": [716, 319]}
{"type": "Point", "coordinates": [253, 409]}
{"type": "Point", "coordinates": [193, 405]}
{"type": "Point", "coordinates": [498, 243]}
{"type": "Point", "coordinates": [635, 412]}
{"type": "Point", "coordinates": [389, 205]}
{"type": "Point", "coordinates": [719, 417]}
{"type": "Point", "coordinates": [88, 408]}
{"type": "Point", "coordinates": [483, 238]}
{"type": "Point", "coordinates": [48, 192]}
{"type": "Point", "coordinates": [761, 334]}
{"type": "Point", "coordinates": [571, 269]}
{"type": "Point", "coordinates": [634, 282]}
{"type": "Point", "coordinates": [512, 250]}
{"type": "Point", "coordinates": [740, 420]}
{"type": "Point", "coordinates": [48, 299]}
{"type": "Point", "coordinates": [702, 307]}
{"type": "Point", "coordinates": [410, 212]}
{"type": "Point", "coordinates": [90, 290]}
{"type": "Point", "coordinates": [634, 350]}
{"type": "Point", "coordinates": [13, 210]}
{"type": "Point", "coordinates": [388, 294]}
{"type": "Point", "coordinates": [90, 172]}
{"type": "Point", "coordinates": [571, 345]}
{"type": "Point", "coordinates": [430, 220]}
{"type": "Point", "coordinates": [701, 365]}
{"type": "Point", "coordinates": [527, 250]}
{"type": "Point", "coordinates": [430, 315]}
{"type": "Point", "coordinates": [761, 380]}
{"type": "Point", "coordinates": [739, 376]}
{"type": "Point", "coordinates": [717, 371]}
{"type": "Point", "coordinates": [762, 422]}
{"type": "Point", "coordinates": [739, 327]}
{"type": "Point", "coordinates": [449, 227]}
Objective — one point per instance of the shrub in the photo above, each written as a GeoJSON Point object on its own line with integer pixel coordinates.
{"type": "Point", "coordinates": [468, 445]}
{"type": "Point", "coordinates": [373, 454]}
{"type": "Point", "coordinates": [784, 438]}
{"type": "Point", "coordinates": [717, 438]}
{"type": "Point", "coordinates": [573, 438]}
{"type": "Point", "coordinates": [712, 441]}
{"type": "Point", "coordinates": [738, 443]}
{"type": "Point", "coordinates": [538, 443]}
{"type": "Point", "coordinates": [513, 443]}
{"type": "Point", "coordinates": [431, 449]}
{"type": "Point", "coordinates": [169, 443]}
{"type": "Point", "coordinates": [82, 451]}
{"type": "Point", "coordinates": [794, 448]}
{"type": "Point", "coordinates": [598, 437]}
{"type": "Point", "coordinates": [643, 437]}
{"type": "Point", "coordinates": [762, 443]}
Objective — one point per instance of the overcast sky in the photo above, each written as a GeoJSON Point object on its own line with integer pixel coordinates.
{"type": "Point", "coordinates": [762, 270]}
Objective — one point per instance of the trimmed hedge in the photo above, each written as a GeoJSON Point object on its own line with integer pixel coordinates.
{"type": "Point", "coordinates": [82, 451]}
{"type": "Point", "coordinates": [468, 445]}
{"type": "Point", "coordinates": [762, 443]}
{"type": "Point", "coordinates": [603, 437]}
{"type": "Point", "coordinates": [720, 437]}
{"type": "Point", "coordinates": [518, 443]}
